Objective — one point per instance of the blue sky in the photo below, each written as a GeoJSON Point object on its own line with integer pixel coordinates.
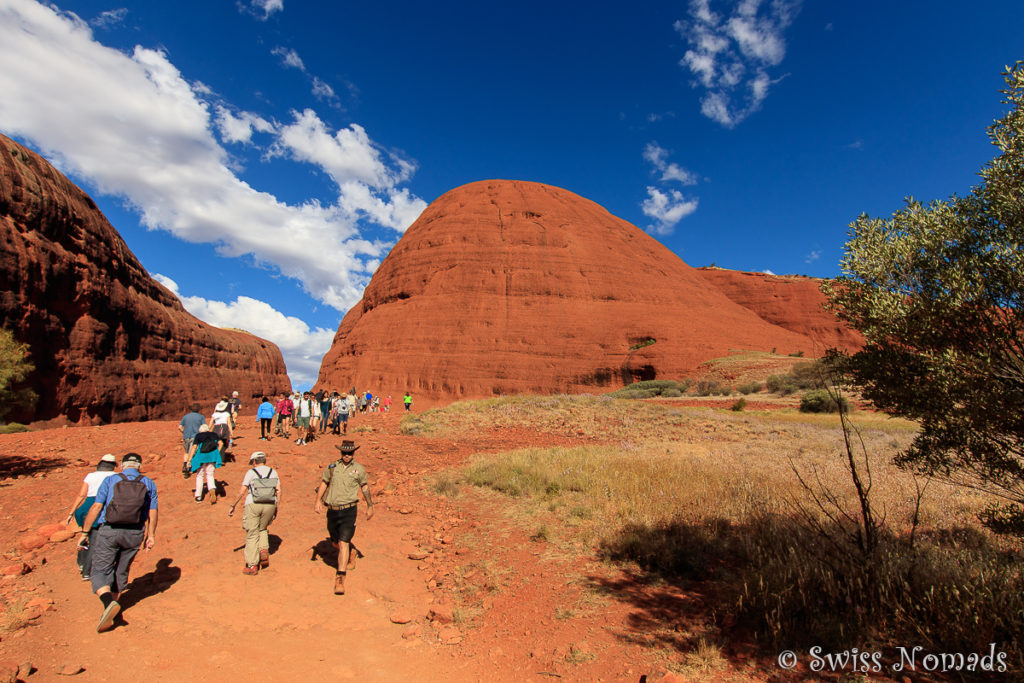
{"type": "Point", "coordinates": [260, 157]}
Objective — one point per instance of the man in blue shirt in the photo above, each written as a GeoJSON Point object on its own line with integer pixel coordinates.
{"type": "Point", "coordinates": [115, 544]}
{"type": "Point", "coordinates": [189, 427]}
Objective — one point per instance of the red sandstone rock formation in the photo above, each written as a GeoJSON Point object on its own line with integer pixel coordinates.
{"type": "Point", "coordinates": [109, 343]}
{"type": "Point", "coordinates": [507, 287]}
{"type": "Point", "coordinates": [789, 301]}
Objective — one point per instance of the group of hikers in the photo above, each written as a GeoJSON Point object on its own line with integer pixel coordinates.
{"type": "Point", "coordinates": [118, 511]}
{"type": "Point", "coordinates": [315, 413]}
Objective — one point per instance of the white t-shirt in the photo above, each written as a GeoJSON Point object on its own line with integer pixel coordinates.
{"type": "Point", "coordinates": [221, 417]}
{"type": "Point", "coordinates": [94, 479]}
{"type": "Point", "coordinates": [267, 472]}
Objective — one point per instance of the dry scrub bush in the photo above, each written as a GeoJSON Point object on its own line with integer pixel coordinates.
{"type": "Point", "coordinates": [716, 503]}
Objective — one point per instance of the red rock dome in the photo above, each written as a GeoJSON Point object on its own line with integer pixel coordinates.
{"type": "Point", "coordinates": [505, 287]}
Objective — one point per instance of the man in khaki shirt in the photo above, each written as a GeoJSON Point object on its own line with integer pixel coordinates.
{"type": "Point", "coordinates": [339, 493]}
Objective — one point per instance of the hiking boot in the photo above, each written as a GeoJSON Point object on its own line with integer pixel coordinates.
{"type": "Point", "coordinates": [213, 497]}
{"type": "Point", "coordinates": [339, 584]}
{"type": "Point", "coordinates": [351, 560]}
{"type": "Point", "coordinates": [107, 620]}
{"type": "Point", "coordinates": [199, 499]}
{"type": "Point", "coordinates": [264, 558]}
{"type": "Point", "coordinates": [251, 571]}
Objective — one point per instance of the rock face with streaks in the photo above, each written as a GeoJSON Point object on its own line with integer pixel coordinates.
{"type": "Point", "coordinates": [790, 301]}
{"type": "Point", "coordinates": [507, 287]}
{"type": "Point", "coordinates": [109, 343]}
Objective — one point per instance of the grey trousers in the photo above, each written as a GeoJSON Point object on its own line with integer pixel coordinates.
{"type": "Point", "coordinates": [112, 555]}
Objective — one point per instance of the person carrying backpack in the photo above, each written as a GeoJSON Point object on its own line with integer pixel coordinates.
{"type": "Point", "coordinates": [126, 510]}
{"type": "Point", "coordinates": [206, 458]}
{"type": "Point", "coordinates": [261, 487]}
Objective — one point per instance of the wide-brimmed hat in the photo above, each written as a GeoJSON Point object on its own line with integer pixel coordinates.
{"type": "Point", "coordinates": [257, 454]}
{"type": "Point", "coordinates": [347, 447]}
{"type": "Point", "coordinates": [109, 457]}
{"type": "Point", "coordinates": [220, 407]}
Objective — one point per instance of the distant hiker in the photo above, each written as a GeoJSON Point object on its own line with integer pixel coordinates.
{"type": "Point", "coordinates": [326, 406]}
{"type": "Point", "coordinates": [261, 488]}
{"type": "Point", "coordinates": [189, 427]}
{"type": "Point", "coordinates": [220, 423]}
{"type": "Point", "coordinates": [362, 403]}
{"type": "Point", "coordinates": [339, 492]}
{"type": "Point", "coordinates": [369, 401]}
{"type": "Point", "coordinates": [387, 404]}
{"type": "Point", "coordinates": [303, 416]}
{"type": "Point", "coordinates": [408, 401]}
{"type": "Point", "coordinates": [126, 510]}
{"type": "Point", "coordinates": [284, 414]}
{"type": "Point", "coordinates": [318, 417]}
{"type": "Point", "coordinates": [375, 405]}
{"type": "Point", "coordinates": [265, 413]}
{"type": "Point", "coordinates": [206, 458]}
{"type": "Point", "coordinates": [234, 407]}
{"type": "Point", "coordinates": [80, 508]}
{"type": "Point", "coordinates": [341, 413]}
{"type": "Point", "coordinates": [351, 398]}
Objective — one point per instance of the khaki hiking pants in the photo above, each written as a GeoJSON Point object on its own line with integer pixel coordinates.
{"type": "Point", "coordinates": [255, 519]}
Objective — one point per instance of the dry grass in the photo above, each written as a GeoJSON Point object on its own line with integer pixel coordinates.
{"type": "Point", "coordinates": [711, 496]}
{"type": "Point", "coordinates": [12, 618]}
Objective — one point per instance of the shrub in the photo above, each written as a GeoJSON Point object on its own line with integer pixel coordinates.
{"type": "Point", "coordinates": [739, 405]}
{"type": "Point", "coordinates": [707, 387]}
{"type": "Point", "coordinates": [823, 401]}
{"type": "Point", "coordinates": [750, 388]}
{"type": "Point", "coordinates": [652, 388]}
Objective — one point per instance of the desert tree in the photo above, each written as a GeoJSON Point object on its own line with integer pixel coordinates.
{"type": "Point", "coordinates": [14, 368]}
{"type": "Point", "coordinates": [937, 292]}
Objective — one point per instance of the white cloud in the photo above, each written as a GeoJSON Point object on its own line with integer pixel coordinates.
{"type": "Point", "coordinates": [111, 17]}
{"type": "Point", "coordinates": [767, 272]}
{"type": "Point", "coordinates": [303, 348]}
{"type": "Point", "coordinates": [812, 256]}
{"type": "Point", "coordinates": [667, 209]}
{"type": "Point", "coordinates": [134, 128]}
{"type": "Point", "coordinates": [289, 57]}
{"type": "Point", "coordinates": [323, 91]}
{"type": "Point", "coordinates": [658, 157]}
{"type": "Point", "coordinates": [262, 8]}
{"type": "Point", "coordinates": [729, 58]}
{"type": "Point", "coordinates": [240, 128]}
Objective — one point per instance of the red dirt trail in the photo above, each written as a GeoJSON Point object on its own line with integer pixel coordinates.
{"type": "Point", "coordinates": [520, 608]}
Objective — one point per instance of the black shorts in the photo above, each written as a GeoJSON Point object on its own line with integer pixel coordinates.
{"type": "Point", "coordinates": [341, 524]}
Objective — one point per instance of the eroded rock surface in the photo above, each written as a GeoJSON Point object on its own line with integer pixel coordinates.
{"type": "Point", "coordinates": [509, 287]}
{"type": "Point", "coordinates": [109, 343]}
{"type": "Point", "coordinates": [789, 301]}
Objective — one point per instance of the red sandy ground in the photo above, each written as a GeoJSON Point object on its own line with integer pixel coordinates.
{"type": "Point", "coordinates": [521, 608]}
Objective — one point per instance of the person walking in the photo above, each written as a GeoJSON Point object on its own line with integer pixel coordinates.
{"type": "Point", "coordinates": [80, 508]}
{"type": "Point", "coordinates": [303, 415]}
{"type": "Point", "coordinates": [408, 401]}
{"type": "Point", "coordinates": [125, 509]}
{"type": "Point", "coordinates": [206, 458]}
{"type": "Point", "coordinates": [326, 410]}
{"type": "Point", "coordinates": [341, 407]}
{"type": "Point", "coordinates": [265, 413]}
{"type": "Point", "coordinates": [261, 487]}
{"type": "Point", "coordinates": [284, 414]}
{"type": "Point", "coordinates": [339, 490]}
{"type": "Point", "coordinates": [387, 403]}
{"type": "Point", "coordinates": [189, 427]}
{"type": "Point", "coordinates": [234, 408]}
{"type": "Point", "coordinates": [220, 424]}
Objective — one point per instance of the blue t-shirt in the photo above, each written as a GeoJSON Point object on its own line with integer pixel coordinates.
{"type": "Point", "coordinates": [190, 425]}
{"type": "Point", "coordinates": [266, 410]}
{"type": "Point", "coordinates": [106, 491]}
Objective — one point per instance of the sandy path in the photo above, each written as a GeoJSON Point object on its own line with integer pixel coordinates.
{"type": "Point", "coordinates": [191, 614]}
